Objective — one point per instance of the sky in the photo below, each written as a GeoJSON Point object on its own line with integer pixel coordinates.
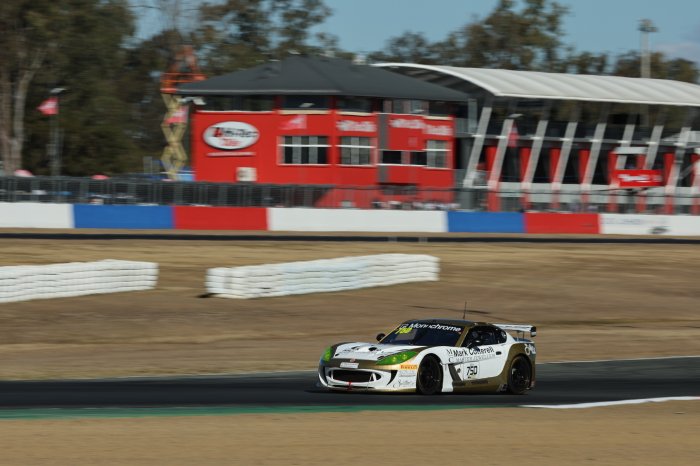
{"type": "Point", "coordinates": [591, 25]}
{"type": "Point", "coordinates": [597, 26]}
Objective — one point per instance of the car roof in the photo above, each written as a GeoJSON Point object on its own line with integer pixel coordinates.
{"type": "Point", "coordinates": [461, 322]}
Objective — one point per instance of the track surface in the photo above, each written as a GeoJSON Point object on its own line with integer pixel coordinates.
{"type": "Point", "coordinates": [561, 383]}
{"type": "Point", "coordinates": [383, 238]}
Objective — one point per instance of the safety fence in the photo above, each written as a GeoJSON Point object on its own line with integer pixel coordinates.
{"type": "Point", "coordinates": [27, 282]}
{"type": "Point", "coordinates": [318, 276]}
{"type": "Point", "coordinates": [540, 198]}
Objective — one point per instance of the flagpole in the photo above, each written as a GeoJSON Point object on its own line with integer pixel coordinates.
{"type": "Point", "coordinates": [54, 128]}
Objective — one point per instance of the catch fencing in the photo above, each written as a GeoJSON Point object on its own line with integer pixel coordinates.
{"type": "Point", "coordinates": [115, 191]}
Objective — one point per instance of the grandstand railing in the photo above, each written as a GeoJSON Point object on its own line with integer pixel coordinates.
{"type": "Point", "coordinates": [134, 191]}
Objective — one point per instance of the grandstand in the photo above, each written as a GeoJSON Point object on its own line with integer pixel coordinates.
{"type": "Point", "coordinates": [542, 140]}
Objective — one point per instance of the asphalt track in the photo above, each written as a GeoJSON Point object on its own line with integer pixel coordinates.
{"type": "Point", "coordinates": [383, 238]}
{"type": "Point", "coordinates": [558, 383]}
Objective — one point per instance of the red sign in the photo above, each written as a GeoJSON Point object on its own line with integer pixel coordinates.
{"type": "Point", "coordinates": [178, 116]}
{"type": "Point", "coordinates": [637, 178]}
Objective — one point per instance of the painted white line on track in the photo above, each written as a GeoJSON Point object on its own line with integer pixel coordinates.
{"type": "Point", "coordinates": [599, 404]}
{"type": "Point", "coordinates": [657, 358]}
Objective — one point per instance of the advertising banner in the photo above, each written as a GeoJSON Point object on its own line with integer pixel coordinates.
{"type": "Point", "coordinates": [636, 178]}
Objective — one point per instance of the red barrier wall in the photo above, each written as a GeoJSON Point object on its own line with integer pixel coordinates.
{"type": "Point", "coordinates": [536, 222]}
{"type": "Point", "coordinates": [220, 218]}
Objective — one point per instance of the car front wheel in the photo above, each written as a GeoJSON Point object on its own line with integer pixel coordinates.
{"type": "Point", "coordinates": [429, 379]}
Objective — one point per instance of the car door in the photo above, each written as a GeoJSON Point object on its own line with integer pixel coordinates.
{"type": "Point", "coordinates": [486, 353]}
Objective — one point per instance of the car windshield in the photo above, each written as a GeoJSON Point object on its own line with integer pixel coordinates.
{"type": "Point", "coordinates": [424, 334]}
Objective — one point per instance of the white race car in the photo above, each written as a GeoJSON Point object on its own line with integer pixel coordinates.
{"type": "Point", "coordinates": [435, 356]}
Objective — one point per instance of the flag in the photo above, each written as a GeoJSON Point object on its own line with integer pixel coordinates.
{"type": "Point", "coordinates": [298, 122]}
{"type": "Point", "coordinates": [49, 106]}
{"type": "Point", "coordinates": [178, 116]}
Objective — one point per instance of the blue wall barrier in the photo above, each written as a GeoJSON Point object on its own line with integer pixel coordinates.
{"type": "Point", "coordinates": [123, 216]}
{"type": "Point", "coordinates": [485, 222]}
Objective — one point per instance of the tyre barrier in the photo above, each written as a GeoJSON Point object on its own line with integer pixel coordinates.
{"type": "Point", "coordinates": [319, 276]}
{"type": "Point", "coordinates": [27, 282]}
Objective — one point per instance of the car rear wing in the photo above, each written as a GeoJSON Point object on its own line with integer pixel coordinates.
{"type": "Point", "coordinates": [519, 328]}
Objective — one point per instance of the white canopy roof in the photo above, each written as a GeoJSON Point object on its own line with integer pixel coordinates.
{"type": "Point", "coordinates": [561, 86]}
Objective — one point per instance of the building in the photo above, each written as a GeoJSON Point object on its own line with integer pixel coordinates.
{"type": "Point", "coordinates": [486, 139]}
{"type": "Point", "coordinates": [533, 140]}
{"type": "Point", "coordinates": [328, 123]}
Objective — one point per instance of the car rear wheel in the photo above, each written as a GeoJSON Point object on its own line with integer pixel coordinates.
{"type": "Point", "coordinates": [429, 379]}
{"type": "Point", "coordinates": [519, 375]}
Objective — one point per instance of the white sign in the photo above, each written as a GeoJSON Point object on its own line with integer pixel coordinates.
{"type": "Point", "coordinates": [357, 126]}
{"type": "Point", "coordinates": [231, 135]}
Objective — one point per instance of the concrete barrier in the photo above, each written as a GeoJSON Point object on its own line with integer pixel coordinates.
{"type": "Point", "coordinates": [35, 215]}
{"type": "Point", "coordinates": [27, 282]}
{"type": "Point", "coordinates": [667, 225]}
{"type": "Point", "coordinates": [123, 216]}
{"type": "Point", "coordinates": [325, 275]}
{"type": "Point", "coordinates": [485, 222]}
{"type": "Point", "coordinates": [301, 219]}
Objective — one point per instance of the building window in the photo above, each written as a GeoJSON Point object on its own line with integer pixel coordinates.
{"type": "Point", "coordinates": [258, 103]}
{"type": "Point", "coordinates": [305, 150]}
{"type": "Point", "coordinates": [305, 102]}
{"type": "Point", "coordinates": [414, 107]}
{"type": "Point", "coordinates": [355, 104]}
{"type": "Point", "coordinates": [419, 158]}
{"type": "Point", "coordinates": [392, 157]}
{"type": "Point", "coordinates": [438, 108]}
{"type": "Point", "coordinates": [437, 152]}
{"type": "Point", "coordinates": [355, 150]}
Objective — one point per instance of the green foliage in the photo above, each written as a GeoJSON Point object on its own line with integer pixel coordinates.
{"type": "Point", "coordinates": [86, 54]}
{"type": "Point", "coordinates": [525, 39]}
{"type": "Point", "coordinates": [237, 34]}
{"type": "Point", "coordinates": [678, 69]}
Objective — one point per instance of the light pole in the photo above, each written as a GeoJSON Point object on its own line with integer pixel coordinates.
{"type": "Point", "coordinates": [645, 27]}
{"type": "Point", "coordinates": [55, 131]}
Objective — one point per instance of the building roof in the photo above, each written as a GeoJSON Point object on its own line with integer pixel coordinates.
{"type": "Point", "coordinates": [303, 75]}
{"type": "Point", "coordinates": [560, 86]}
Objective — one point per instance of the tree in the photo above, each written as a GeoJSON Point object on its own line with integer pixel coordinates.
{"type": "Point", "coordinates": [78, 45]}
{"type": "Point", "coordinates": [528, 39]}
{"type": "Point", "coordinates": [26, 40]}
{"type": "Point", "coordinates": [411, 47]}
{"type": "Point", "coordinates": [679, 69]}
{"type": "Point", "coordinates": [586, 63]}
{"type": "Point", "coordinates": [96, 115]}
{"type": "Point", "coordinates": [237, 34]}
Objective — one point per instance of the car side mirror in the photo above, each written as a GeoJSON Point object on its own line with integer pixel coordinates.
{"type": "Point", "coordinates": [380, 336]}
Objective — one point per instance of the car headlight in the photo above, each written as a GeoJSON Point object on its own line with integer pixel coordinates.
{"type": "Point", "coordinates": [397, 358]}
{"type": "Point", "coordinates": [328, 354]}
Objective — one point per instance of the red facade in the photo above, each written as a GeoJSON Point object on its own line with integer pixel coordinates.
{"type": "Point", "coordinates": [284, 147]}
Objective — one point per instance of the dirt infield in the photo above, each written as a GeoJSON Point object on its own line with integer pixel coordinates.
{"type": "Point", "coordinates": [664, 433]}
{"type": "Point", "coordinates": [589, 302]}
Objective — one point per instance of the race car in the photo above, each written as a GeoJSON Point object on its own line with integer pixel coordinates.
{"type": "Point", "coordinates": [435, 356]}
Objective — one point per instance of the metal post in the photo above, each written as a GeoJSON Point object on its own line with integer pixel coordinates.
{"type": "Point", "coordinates": [479, 137]}
{"type": "Point", "coordinates": [567, 144]}
{"type": "Point", "coordinates": [55, 134]}
{"type": "Point", "coordinates": [645, 27]}
{"type": "Point", "coordinates": [53, 146]}
{"type": "Point", "coordinates": [596, 144]}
